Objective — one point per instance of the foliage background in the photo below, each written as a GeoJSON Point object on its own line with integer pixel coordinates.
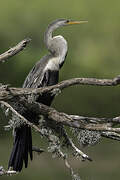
{"type": "Point", "coordinates": [93, 52]}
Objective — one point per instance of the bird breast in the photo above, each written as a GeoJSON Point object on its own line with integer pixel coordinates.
{"type": "Point", "coordinates": [53, 64]}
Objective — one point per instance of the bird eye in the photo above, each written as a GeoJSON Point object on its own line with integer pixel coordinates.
{"type": "Point", "coordinates": [67, 21]}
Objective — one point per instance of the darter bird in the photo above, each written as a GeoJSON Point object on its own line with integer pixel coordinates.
{"type": "Point", "coordinates": [44, 73]}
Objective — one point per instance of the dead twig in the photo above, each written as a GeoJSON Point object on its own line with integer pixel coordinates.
{"type": "Point", "coordinates": [38, 150]}
{"type": "Point", "coordinates": [14, 50]}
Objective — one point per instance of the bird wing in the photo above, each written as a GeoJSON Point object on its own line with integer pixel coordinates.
{"type": "Point", "coordinates": [36, 75]}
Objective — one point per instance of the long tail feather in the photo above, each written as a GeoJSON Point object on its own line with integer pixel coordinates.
{"type": "Point", "coordinates": [21, 148]}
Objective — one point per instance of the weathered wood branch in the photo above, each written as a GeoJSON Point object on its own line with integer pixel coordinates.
{"type": "Point", "coordinates": [38, 129]}
{"type": "Point", "coordinates": [68, 120]}
{"type": "Point", "coordinates": [21, 117]}
{"type": "Point", "coordinates": [14, 50]}
{"type": "Point", "coordinates": [89, 123]}
{"type": "Point", "coordinates": [105, 125]}
{"type": "Point", "coordinates": [9, 92]}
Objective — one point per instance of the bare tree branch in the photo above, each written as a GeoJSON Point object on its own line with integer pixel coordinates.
{"type": "Point", "coordinates": [21, 117]}
{"type": "Point", "coordinates": [14, 50]}
{"type": "Point", "coordinates": [8, 93]}
{"type": "Point", "coordinates": [84, 156]}
{"type": "Point", "coordinates": [70, 120]}
{"type": "Point", "coordinates": [103, 125]}
{"type": "Point", "coordinates": [111, 135]}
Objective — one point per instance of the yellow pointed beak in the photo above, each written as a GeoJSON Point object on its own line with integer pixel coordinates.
{"type": "Point", "coordinates": [76, 22]}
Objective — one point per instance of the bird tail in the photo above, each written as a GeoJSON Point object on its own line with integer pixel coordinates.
{"type": "Point", "coordinates": [21, 148]}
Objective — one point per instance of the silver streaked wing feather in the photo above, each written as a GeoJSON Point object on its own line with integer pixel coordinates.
{"type": "Point", "coordinates": [36, 75]}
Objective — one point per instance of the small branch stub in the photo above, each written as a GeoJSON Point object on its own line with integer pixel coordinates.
{"type": "Point", "coordinates": [6, 172]}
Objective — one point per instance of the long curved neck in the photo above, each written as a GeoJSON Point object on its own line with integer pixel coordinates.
{"type": "Point", "coordinates": [57, 45]}
{"type": "Point", "coordinates": [48, 34]}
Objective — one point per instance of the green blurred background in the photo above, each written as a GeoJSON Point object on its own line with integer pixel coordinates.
{"type": "Point", "coordinates": [94, 51]}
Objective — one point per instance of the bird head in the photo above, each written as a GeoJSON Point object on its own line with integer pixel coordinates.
{"type": "Point", "coordinates": [57, 43]}
{"type": "Point", "coordinates": [65, 22]}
